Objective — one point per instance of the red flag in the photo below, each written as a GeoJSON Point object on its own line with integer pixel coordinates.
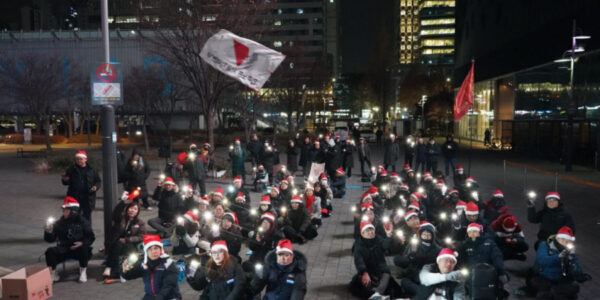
{"type": "Point", "coordinates": [464, 98]}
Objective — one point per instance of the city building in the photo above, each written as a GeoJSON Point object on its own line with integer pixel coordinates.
{"type": "Point", "coordinates": [436, 32]}
{"type": "Point", "coordinates": [522, 91]}
{"type": "Point", "coordinates": [409, 31]}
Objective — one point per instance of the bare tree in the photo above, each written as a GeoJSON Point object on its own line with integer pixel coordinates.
{"type": "Point", "coordinates": [37, 83]}
{"type": "Point", "coordinates": [181, 33]}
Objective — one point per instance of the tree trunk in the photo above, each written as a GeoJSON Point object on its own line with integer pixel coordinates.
{"type": "Point", "coordinates": [145, 131]}
{"type": "Point", "coordinates": [69, 121]}
{"type": "Point", "coordinates": [39, 125]}
{"type": "Point", "coordinates": [210, 129]}
{"type": "Point", "coordinates": [47, 135]}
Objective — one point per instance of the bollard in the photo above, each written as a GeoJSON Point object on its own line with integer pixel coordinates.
{"type": "Point", "coordinates": [556, 182]}
{"type": "Point", "coordinates": [524, 179]}
{"type": "Point", "coordinates": [504, 168]}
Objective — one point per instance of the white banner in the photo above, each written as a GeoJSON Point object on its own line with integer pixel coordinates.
{"type": "Point", "coordinates": [245, 60]}
{"type": "Point", "coordinates": [315, 171]}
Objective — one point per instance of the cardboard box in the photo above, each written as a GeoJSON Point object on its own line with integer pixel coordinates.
{"type": "Point", "coordinates": [27, 284]}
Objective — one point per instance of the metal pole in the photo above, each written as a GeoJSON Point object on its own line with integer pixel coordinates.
{"type": "Point", "coordinates": [524, 179]}
{"type": "Point", "coordinates": [556, 181]}
{"type": "Point", "coordinates": [596, 161]}
{"type": "Point", "coordinates": [471, 149]}
{"type": "Point", "coordinates": [109, 137]}
{"type": "Point", "coordinates": [504, 174]}
{"type": "Point", "coordinates": [571, 107]}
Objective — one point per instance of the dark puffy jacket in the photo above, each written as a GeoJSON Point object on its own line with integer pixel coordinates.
{"type": "Point", "coordinates": [299, 218]}
{"type": "Point", "coordinates": [196, 169]}
{"type": "Point", "coordinates": [169, 203]}
{"type": "Point", "coordinates": [254, 147]}
{"type": "Point", "coordinates": [421, 152]}
{"type": "Point", "coordinates": [292, 158]}
{"type": "Point", "coordinates": [433, 152]}
{"type": "Point", "coordinates": [551, 266]}
{"type": "Point", "coordinates": [449, 148]}
{"type": "Point", "coordinates": [288, 282]}
{"type": "Point", "coordinates": [286, 196]}
{"type": "Point", "coordinates": [392, 153]}
{"type": "Point", "coordinates": [551, 220]}
{"type": "Point", "coordinates": [230, 286]}
{"type": "Point", "coordinates": [317, 156]}
{"type": "Point", "coordinates": [160, 278]}
{"type": "Point", "coordinates": [136, 177]}
{"type": "Point", "coordinates": [267, 158]}
{"type": "Point", "coordinates": [348, 150]}
{"type": "Point", "coordinates": [80, 182]}
{"type": "Point", "coordinates": [305, 154]}
{"type": "Point", "coordinates": [65, 232]}
{"type": "Point", "coordinates": [494, 208]}
{"type": "Point", "coordinates": [369, 255]}
{"type": "Point", "coordinates": [482, 251]}
{"type": "Point", "coordinates": [260, 249]}
{"type": "Point", "coordinates": [413, 261]}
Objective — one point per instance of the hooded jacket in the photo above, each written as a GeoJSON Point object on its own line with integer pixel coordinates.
{"type": "Point", "coordinates": [550, 220]}
{"type": "Point", "coordinates": [169, 203]}
{"type": "Point", "coordinates": [230, 286]}
{"type": "Point", "coordinates": [160, 279]}
{"type": "Point", "coordinates": [299, 219]}
{"type": "Point", "coordinates": [65, 232]}
{"type": "Point", "coordinates": [369, 255]}
{"type": "Point", "coordinates": [80, 182]}
{"type": "Point", "coordinates": [282, 282]}
{"type": "Point", "coordinates": [551, 266]}
{"type": "Point", "coordinates": [482, 250]}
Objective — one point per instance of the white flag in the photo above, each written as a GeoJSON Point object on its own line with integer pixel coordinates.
{"type": "Point", "coordinates": [245, 60]}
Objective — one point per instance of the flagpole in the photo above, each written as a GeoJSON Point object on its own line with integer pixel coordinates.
{"type": "Point", "coordinates": [469, 125]}
{"type": "Point", "coordinates": [462, 104]}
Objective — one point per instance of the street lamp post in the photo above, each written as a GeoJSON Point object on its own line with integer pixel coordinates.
{"type": "Point", "coordinates": [572, 108]}
{"type": "Point", "coordinates": [422, 102]}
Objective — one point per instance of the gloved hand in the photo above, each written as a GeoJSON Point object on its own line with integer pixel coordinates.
{"type": "Point", "coordinates": [454, 276]}
{"type": "Point", "coordinates": [503, 278]}
{"type": "Point", "coordinates": [530, 201]}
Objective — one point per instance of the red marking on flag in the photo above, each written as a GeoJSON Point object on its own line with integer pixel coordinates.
{"type": "Point", "coordinates": [241, 52]}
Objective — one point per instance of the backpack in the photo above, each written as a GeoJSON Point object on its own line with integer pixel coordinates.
{"type": "Point", "coordinates": [484, 282]}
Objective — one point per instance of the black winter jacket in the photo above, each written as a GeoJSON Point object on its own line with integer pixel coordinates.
{"type": "Point", "coordinates": [551, 220]}
{"type": "Point", "coordinates": [80, 182]}
{"type": "Point", "coordinates": [288, 282]}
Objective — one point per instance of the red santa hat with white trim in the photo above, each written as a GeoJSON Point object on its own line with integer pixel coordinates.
{"type": "Point", "coordinates": [284, 246]}
{"type": "Point", "coordinates": [274, 188]}
{"type": "Point", "coordinates": [414, 206]}
{"type": "Point", "coordinates": [240, 196]}
{"type": "Point", "coordinates": [81, 153]}
{"type": "Point", "coordinates": [472, 209]}
{"type": "Point", "coordinates": [416, 196]}
{"type": "Point", "coordinates": [566, 232]}
{"type": "Point", "coordinates": [265, 200]}
{"type": "Point", "coordinates": [219, 245]}
{"type": "Point", "coordinates": [233, 216]}
{"type": "Point", "coordinates": [498, 194]}
{"type": "Point", "coordinates": [406, 167]}
{"type": "Point", "coordinates": [169, 180]}
{"type": "Point", "coordinates": [339, 171]}
{"type": "Point", "coordinates": [219, 192]}
{"type": "Point", "coordinates": [446, 253]}
{"type": "Point", "coordinates": [427, 175]}
{"type": "Point", "coordinates": [150, 240]}
{"type": "Point", "coordinates": [462, 205]}
{"type": "Point", "coordinates": [366, 206]}
{"type": "Point", "coordinates": [204, 200]}
{"type": "Point", "coordinates": [191, 216]}
{"type": "Point", "coordinates": [552, 196]}
{"type": "Point", "coordinates": [70, 202]}
{"type": "Point", "coordinates": [296, 199]}
{"type": "Point", "coordinates": [268, 216]}
{"type": "Point", "coordinates": [474, 226]}
{"type": "Point", "coordinates": [366, 225]}
{"type": "Point", "coordinates": [409, 214]}
{"type": "Point", "coordinates": [237, 179]}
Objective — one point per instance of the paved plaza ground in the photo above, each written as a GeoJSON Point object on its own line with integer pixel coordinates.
{"type": "Point", "coordinates": [28, 198]}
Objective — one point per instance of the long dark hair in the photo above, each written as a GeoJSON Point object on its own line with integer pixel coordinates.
{"type": "Point", "coordinates": [214, 271]}
{"type": "Point", "coordinates": [125, 216]}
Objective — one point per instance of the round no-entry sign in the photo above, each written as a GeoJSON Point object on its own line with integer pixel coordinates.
{"type": "Point", "coordinates": [106, 73]}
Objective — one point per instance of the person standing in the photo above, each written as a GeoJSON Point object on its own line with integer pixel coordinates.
{"type": "Point", "coordinates": [292, 157]}
{"type": "Point", "coordinates": [83, 182]}
{"type": "Point", "coordinates": [449, 149]}
{"type": "Point", "coordinates": [364, 156]}
{"type": "Point", "coordinates": [305, 156]}
{"type": "Point", "coordinates": [392, 153]}
{"type": "Point", "coordinates": [238, 158]}
{"type": "Point", "coordinates": [433, 152]}
{"type": "Point", "coordinates": [254, 148]}
{"type": "Point", "coordinates": [195, 167]}
{"type": "Point", "coordinates": [267, 159]}
{"type": "Point", "coordinates": [420, 155]}
{"type": "Point", "coordinates": [136, 173]}
{"type": "Point", "coordinates": [348, 158]}
{"type": "Point", "coordinates": [487, 139]}
{"type": "Point", "coordinates": [409, 150]}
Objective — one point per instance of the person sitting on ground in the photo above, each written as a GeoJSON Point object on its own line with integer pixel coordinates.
{"type": "Point", "coordinates": [276, 200]}
{"type": "Point", "coordinates": [124, 238]}
{"type": "Point", "coordinates": [187, 237]}
{"type": "Point", "coordinates": [168, 207]}
{"type": "Point", "coordinates": [478, 249]}
{"type": "Point", "coordinates": [313, 204]}
{"type": "Point", "coordinates": [368, 215]}
{"type": "Point", "coordinates": [221, 279]}
{"type": "Point", "coordinates": [471, 215]}
{"type": "Point", "coordinates": [229, 232]}
{"type": "Point", "coordinates": [216, 197]}
{"type": "Point", "coordinates": [509, 237]}
{"type": "Point", "coordinates": [190, 200]}
{"type": "Point", "coordinates": [236, 188]}
{"type": "Point", "coordinates": [264, 206]}
{"type": "Point", "coordinates": [551, 218]}
{"type": "Point", "coordinates": [338, 187]}
{"type": "Point", "coordinates": [285, 193]}
{"type": "Point", "coordinates": [495, 206]}
{"type": "Point", "coordinates": [158, 271]}
{"type": "Point", "coordinates": [242, 210]}
{"type": "Point", "coordinates": [283, 273]}
{"type": "Point", "coordinates": [323, 192]}
{"type": "Point", "coordinates": [73, 236]}
{"type": "Point", "coordinates": [296, 225]}
{"type": "Point", "coordinates": [558, 267]}
{"type": "Point", "coordinates": [372, 279]}
{"type": "Point", "coordinates": [440, 281]}
{"type": "Point", "coordinates": [419, 252]}
{"type": "Point", "coordinates": [264, 238]}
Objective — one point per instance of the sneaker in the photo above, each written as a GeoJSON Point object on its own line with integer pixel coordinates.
{"type": "Point", "coordinates": [376, 296]}
{"type": "Point", "coordinates": [55, 276]}
{"type": "Point", "coordinates": [106, 272]}
{"type": "Point", "coordinates": [82, 275]}
{"type": "Point", "coordinates": [123, 280]}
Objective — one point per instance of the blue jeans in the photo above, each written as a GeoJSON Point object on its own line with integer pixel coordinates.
{"type": "Point", "coordinates": [450, 161]}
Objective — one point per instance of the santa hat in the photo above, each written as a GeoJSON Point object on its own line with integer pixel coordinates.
{"type": "Point", "coordinates": [204, 200]}
{"type": "Point", "coordinates": [552, 195]}
{"type": "Point", "coordinates": [414, 206]}
{"type": "Point", "coordinates": [182, 157]}
{"type": "Point", "coordinates": [470, 179]}
{"type": "Point", "coordinates": [191, 216]}
{"type": "Point", "coordinates": [498, 193]}
{"type": "Point", "coordinates": [189, 188]}
{"type": "Point", "coordinates": [237, 141]}
{"type": "Point", "coordinates": [309, 187]}
{"type": "Point", "coordinates": [317, 142]}
{"type": "Point", "coordinates": [427, 175]}
{"type": "Point", "coordinates": [373, 190]}
{"type": "Point", "coordinates": [446, 253]}
{"type": "Point", "coordinates": [237, 179]}
{"type": "Point", "coordinates": [168, 180]}
{"type": "Point", "coordinates": [339, 171]}
{"type": "Point", "coordinates": [150, 240]}
{"type": "Point", "coordinates": [395, 175]}
{"type": "Point", "coordinates": [416, 196]}
{"type": "Point", "coordinates": [452, 191]}
{"type": "Point", "coordinates": [240, 196]}
{"type": "Point", "coordinates": [566, 232]}
{"type": "Point", "coordinates": [472, 209]}
{"type": "Point", "coordinates": [269, 216]}
{"type": "Point", "coordinates": [410, 171]}
{"type": "Point", "coordinates": [409, 214]}
{"type": "Point", "coordinates": [461, 205]}
{"type": "Point", "coordinates": [383, 173]}
{"type": "Point", "coordinates": [380, 167]}
{"type": "Point", "coordinates": [474, 226]}
{"type": "Point", "coordinates": [284, 181]}
{"type": "Point", "coordinates": [366, 206]}
{"type": "Point", "coordinates": [260, 166]}
{"type": "Point", "coordinates": [219, 245]}
{"type": "Point", "coordinates": [274, 188]}
{"type": "Point", "coordinates": [365, 196]}
{"type": "Point", "coordinates": [81, 154]}
{"type": "Point", "coordinates": [459, 168]}
{"type": "Point", "coordinates": [192, 145]}
{"type": "Point", "coordinates": [426, 226]}
{"type": "Point", "coordinates": [296, 199]}
{"type": "Point", "coordinates": [327, 135]}
{"type": "Point", "coordinates": [265, 200]}
{"type": "Point", "coordinates": [233, 216]}
{"type": "Point", "coordinates": [440, 183]}
{"type": "Point", "coordinates": [337, 135]}
{"type": "Point", "coordinates": [366, 225]}
{"type": "Point", "coordinates": [404, 187]}
{"type": "Point", "coordinates": [218, 191]}
{"type": "Point", "coordinates": [284, 246]}
{"type": "Point", "coordinates": [406, 167]}
{"type": "Point", "coordinates": [509, 223]}
{"type": "Point", "coordinates": [70, 202]}
{"type": "Point", "coordinates": [322, 176]}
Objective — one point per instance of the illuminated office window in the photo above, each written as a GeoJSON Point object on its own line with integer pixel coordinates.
{"type": "Point", "coordinates": [437, 31]}
{"type": "Point", "coordinates": [437, 22]}
{"type": "Point", "coordinates": [437, 43]}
